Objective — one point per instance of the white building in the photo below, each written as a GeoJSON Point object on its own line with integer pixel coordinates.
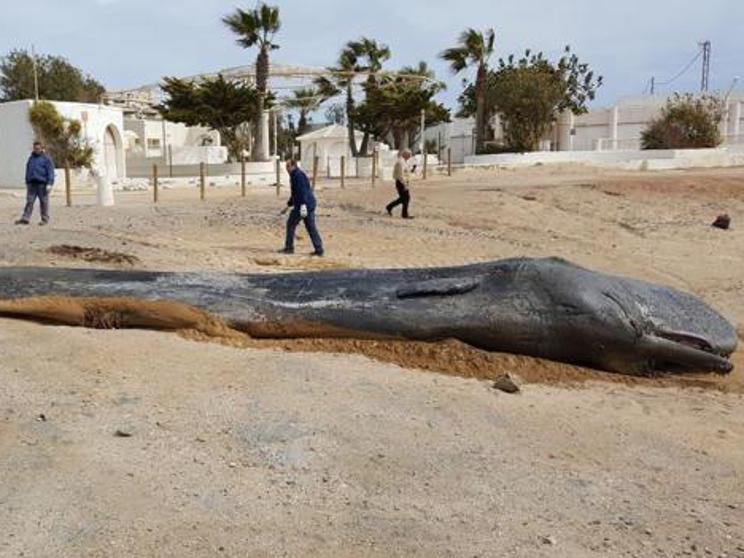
{"type": "Point", "coordinates": [329, 144]}
{"type": "Point", "coordinates": [103, 128]}
{"type": "Point", "coordinates": [601, 129]}
{"type": "Point", "coordinates": [152, 137]}
{"type": "Point", "coordinates": [458, 135]}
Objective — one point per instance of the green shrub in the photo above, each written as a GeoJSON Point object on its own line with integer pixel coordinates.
{"type": "Point", "coordinates": [686, 122]}
{"type": "Point", "coordinates": [62, 136]}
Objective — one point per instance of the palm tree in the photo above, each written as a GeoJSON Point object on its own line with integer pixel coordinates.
{"type": "Point", "coordinates": [305, 101]}
{"type": "Point", "coordinates": [257, 27]}
{"type": "Point", "coordinates": [342, 81]}
{"type": "Point", "coordinates": [374, 54]}
{"type": "Point", "coordinates": [427, 83]}
{"type": "Point", "coordinates": [475, 49]}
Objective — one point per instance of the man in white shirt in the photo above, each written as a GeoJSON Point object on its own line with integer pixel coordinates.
{"type": "Point", "coordinates": [402, 176]}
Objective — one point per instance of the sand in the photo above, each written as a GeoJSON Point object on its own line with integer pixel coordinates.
{"type": "Point", "coordinates": [302, 447]}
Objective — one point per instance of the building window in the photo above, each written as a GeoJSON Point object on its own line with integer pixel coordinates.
{"type": "Point", "coordinates": [153, 143]}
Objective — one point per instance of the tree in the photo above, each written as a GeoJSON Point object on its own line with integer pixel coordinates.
{"type": "Point", "coordinates": [225, 106]}
{"type": "Point", "coordinates": [342, 82]}
{"type": "Point", "coordinates": [530, 93]}
{"type": "Point", "coordinates": [363, 55]}
{"type": "Point", "coordinates": [686, 122]}
{"type": "Point", "coordinates": [468, 104]}
{"type": "Point", "coordinates": [63, 137]}
{"type": "Point", "coordinates": [370, 56]}
{"type": "Point", "coordinates": [58, 79]}
{"type": "Point", "coordinates": [305, 101]}
{"type": "Point", "coordinates": [258, 28]}
{"type": "Point", "coordinates": [474, 49]}
{"type": "Point", "coordinates": [393, 105]}
{"type": "Point", "coordinates": [335, 113]}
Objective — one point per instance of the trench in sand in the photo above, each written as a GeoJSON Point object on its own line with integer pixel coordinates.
{"type": "Point", "coordinates": [448, 357]}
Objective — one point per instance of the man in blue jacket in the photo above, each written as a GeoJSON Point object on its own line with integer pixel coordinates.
{"type": "Point", "coordinates": [301, 207]}
{"type": "Point", "coordinates": [39, 177]}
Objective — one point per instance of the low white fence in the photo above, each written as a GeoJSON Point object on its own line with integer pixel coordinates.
{"type": "Point", "coordinates": [651, 159]}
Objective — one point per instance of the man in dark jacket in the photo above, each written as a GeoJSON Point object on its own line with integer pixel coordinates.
{"type": "Point", "coordinates": [301, 207]}
{"type": "Point", "coordinates": [39, 177]}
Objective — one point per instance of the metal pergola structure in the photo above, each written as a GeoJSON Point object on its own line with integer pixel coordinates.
{"type": "Point", "coordinates": [292, 77]}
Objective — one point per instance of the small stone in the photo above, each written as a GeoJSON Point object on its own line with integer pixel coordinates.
{"type": "Point", "coordinates": [722, 222]}
{"type": "Point", "coordinates": [232, 465]}
{"type": "Point", "coordinates": [508, 383]}
{"type": "Point", "coordinates": [124, 433]}
{"type": "Point", "coordinates": [41, 418]}
{"type": "Point", "coordinates": [549, 540]}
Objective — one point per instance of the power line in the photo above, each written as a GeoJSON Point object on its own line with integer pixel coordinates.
{"type": "Point", "coordinates": [683, 71]}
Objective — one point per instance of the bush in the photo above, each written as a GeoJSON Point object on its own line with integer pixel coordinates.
{"type": "Point", "coordinates": [686, 122]}
{"type": "Point", "coordinates": [62, 136]}
{"type": "Point", "coordinates": [497, 148]}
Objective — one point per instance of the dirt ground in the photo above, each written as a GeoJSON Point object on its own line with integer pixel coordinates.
{"type": "Point", "coordinates": [137, 443]}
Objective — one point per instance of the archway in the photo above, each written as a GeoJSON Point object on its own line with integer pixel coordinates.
{"type": "Point", "coordinates": [112, 154]}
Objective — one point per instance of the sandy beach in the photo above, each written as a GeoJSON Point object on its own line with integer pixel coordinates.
{"type": "Point", "coordinates": [146, 443]}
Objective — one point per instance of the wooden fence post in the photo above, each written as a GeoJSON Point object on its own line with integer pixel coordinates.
{"type": "Point", "coordinates": [343, 171]}
{"type": "Point", "coordinates": [242, 174]}
{"type": "Point", "coordinates": [278, 178]}
{"type": "Point", "coordinates": [374, 168]}
{"type": "Point", "coordinates": [449, 161]}
{"type": "Point", "coordinates": [68, 185]}
{"type": "Point", "coordinates": [170, 160]}
{"type": "Point", "coordinates": [202, 181]}
{"type": "Point", "coordinates": [155, 183]}
{"type": "Point", "coordinates": [316, 161]}
{"type": "Point", "coordinates": [426, 164]}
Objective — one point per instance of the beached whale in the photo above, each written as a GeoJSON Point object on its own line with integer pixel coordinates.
{"type": "Point", "coordinates": [546, 308]}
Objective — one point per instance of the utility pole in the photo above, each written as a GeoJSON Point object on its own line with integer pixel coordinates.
{"type": "Point", "coordinates": [653, 85]}
{"type": "Point", "coordinates": [706, 66]}
{"type": "Point", "coordinates": [276, 135]}
{"type": "Point", "coordinates": [423, 131]}
{"type": "Point", "coordinates": [36, 73]}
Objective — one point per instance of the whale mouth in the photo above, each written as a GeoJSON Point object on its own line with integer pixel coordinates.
{"type": "Point", "coordinates": [681, 351]}
{"type": "Point", "coordinates": [688, 340]}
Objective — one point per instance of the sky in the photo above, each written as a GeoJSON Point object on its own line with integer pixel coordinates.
{"type": "Point", "coordinates": [126, 43]}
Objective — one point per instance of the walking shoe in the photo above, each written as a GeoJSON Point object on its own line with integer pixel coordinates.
{"type": "Point", "coordinates": [409, 217]}
{"type": "Point", "coordinates": [286, 251]}
{"type": "Point", "coordinates": [317, 254]}
{"type": "Point", "coordinates": [389, 211]}
{"type": "Point", "coordinates": [21, 222]}
{"type": "Point", "coordinates": [43, 223]}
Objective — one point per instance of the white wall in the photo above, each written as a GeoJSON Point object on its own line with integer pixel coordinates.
{"type": "Point", "coordinates": [607, 129]}
{"type": "Point", "coordinates": [17, 136]}
{"type": "Point", "coordinates": [663, 159]}
{"type": "Point", "coordinates": [16, 139]}
{"type": "Point", "coordinates": [96, 119]}
{"type": "Point", "coordinates": [456, 135]}
{"type": "Point", "coordinates": [177, 135]}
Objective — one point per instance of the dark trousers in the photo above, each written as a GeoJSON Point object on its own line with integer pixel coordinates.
{"type": "Point", "coordinates": [404, 198]}
{"type": "Point", "coordinates": [36, 190]}
{"type": "Point", "coordinates": [293, 220]}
